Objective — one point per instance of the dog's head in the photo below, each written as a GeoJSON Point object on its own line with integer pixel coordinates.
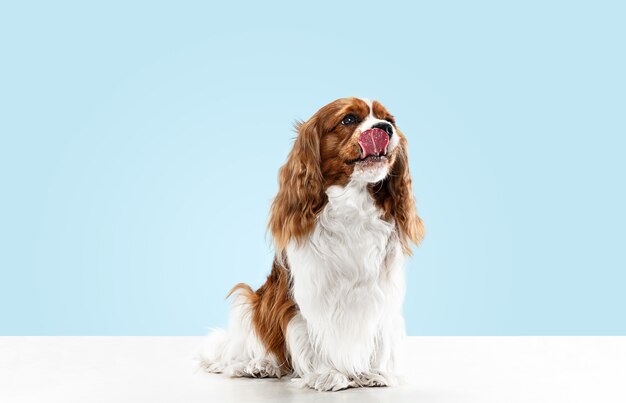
{"type": "Point", "coordinates": [348, 140]}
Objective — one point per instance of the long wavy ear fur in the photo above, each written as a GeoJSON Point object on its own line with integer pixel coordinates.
{"type": "Point", "coordinates": [300, 188]}
{"type": "Point", "coordinates": [395, 196]}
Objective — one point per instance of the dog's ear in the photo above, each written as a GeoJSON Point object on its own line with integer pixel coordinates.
{"type": "Point", "coordinates": [300, 188]}
{"type": "Point", "coordinates": [395, 196]}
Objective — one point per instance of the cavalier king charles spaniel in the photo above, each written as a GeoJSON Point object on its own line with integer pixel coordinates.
{"type": "Point", "coordinates": [330, 312]}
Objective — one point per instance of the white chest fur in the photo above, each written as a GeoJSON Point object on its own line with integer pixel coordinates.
{"type": "Point", "coordinates": [348, 280]}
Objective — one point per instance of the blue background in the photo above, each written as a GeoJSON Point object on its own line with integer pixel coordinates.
{"type": "Point", "coordinates": [140, 145]}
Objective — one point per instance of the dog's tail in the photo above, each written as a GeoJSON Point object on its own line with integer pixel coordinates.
{"type": "Point", "coordinates": [244, 290]}
{"type": "Point", "coordinates": [219, 350]}
{"type": "Point", "coordinates": [227, 351]}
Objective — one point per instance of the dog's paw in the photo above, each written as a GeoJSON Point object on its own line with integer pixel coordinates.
{"type": "Point", "coordinates": [213, 367]}
{"type": "Point", "coordinates": [375, 379]}
{"type": "Point", "coordinates": [262, 369]}
{"type": "Point", "coordinates": [328, 381]}
{"type": "Point", "coordinates": [257, 368]}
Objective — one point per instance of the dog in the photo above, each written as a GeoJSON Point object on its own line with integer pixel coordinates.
{"type": "Point", "coordinates": [330, 312]}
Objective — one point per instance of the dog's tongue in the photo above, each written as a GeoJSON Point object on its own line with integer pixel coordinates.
{"type": "Point", "coordinates": [373, 142]}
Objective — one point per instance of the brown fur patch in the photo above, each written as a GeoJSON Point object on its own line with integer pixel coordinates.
{"type": "Point", "coordinates": [381, 112]}
{"type": "Point", "coordinates": [272, 309]}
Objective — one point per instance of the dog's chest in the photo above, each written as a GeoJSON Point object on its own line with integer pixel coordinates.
{"type": "Point", "coordinates": [347, 252]}
{"type": "Point", "coordinates": [350, 235]}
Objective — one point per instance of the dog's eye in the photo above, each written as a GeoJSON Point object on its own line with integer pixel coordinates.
{"type": "Point", "coordinates": [348, 120]}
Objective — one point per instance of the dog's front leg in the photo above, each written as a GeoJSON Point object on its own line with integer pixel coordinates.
{"type": "Point", "coordinates": [312, 369]}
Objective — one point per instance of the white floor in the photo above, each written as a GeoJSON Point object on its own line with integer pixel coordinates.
{"type": "Point", "coordinates": [443, 369]}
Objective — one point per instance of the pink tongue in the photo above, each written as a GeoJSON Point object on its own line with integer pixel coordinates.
{"type": "Point", "coordinates": [373, 142]}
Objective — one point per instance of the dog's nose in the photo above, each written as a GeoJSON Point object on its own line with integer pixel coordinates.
{"type": "Point", "coordinates": [384, 126]}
